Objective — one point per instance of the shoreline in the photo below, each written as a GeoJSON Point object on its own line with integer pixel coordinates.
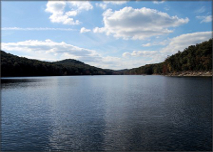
{"type": "Point", "coordinates": [191, 74]}
{"type": "Point", "coordinates": [174, 74]}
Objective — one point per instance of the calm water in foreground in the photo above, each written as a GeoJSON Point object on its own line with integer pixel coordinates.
{"type": "Point", "coordinates": [106, 113]}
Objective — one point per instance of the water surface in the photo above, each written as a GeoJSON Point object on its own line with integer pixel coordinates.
{"type": "Point", "coordinates": [140, 113]}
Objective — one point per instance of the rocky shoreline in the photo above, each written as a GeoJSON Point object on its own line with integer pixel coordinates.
{"type": "Point", "coordinates": [191, 73]}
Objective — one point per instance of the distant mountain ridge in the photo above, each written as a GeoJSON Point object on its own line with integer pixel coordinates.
{"type": "Point", "coordinates": [195, 58]}
{"type": "Point", "coordinates": [69, 61]}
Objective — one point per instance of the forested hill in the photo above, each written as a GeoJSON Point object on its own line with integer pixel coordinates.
{"type": "Point", "coordinates": [12, 65]}
{"type": "Point", "coordinates": [196, 58]}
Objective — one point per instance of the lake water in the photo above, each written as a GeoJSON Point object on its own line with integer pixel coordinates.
{"type": "Point", "coordinates": [123, 113]}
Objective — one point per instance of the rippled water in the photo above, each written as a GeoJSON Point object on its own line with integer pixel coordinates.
{"type": "Point", "coordinates": [106, 113]}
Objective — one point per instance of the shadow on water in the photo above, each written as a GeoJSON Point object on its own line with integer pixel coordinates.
{"type": "Point", "coordinates": [16, 82]}
{"type": "Point", "coordinates": [4, 81]}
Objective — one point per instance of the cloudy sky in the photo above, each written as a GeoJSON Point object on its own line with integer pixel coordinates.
{"type": "Point", "coordinates": [106, 34]}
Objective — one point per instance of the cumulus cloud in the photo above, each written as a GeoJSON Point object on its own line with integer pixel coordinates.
{"type": "Point", "coordinates": [84, 30]}
{"type": "Point", "coordinates": [57, 8]}
{"type": "Point", "coordinates": [37, 29]}
{"type": "Point", "coordinates": [138, 23]}
{"type": "Point", "coordinates": [205, 19]}
{"type": "Point", "coordinates": [181, 42]}
{"type": "Point", "coordinates": [80, 5]}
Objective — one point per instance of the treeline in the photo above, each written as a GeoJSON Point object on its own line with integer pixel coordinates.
{"type": "Point", "coordinates": [12, 65]}
{"type": "Point", "coordinates": [194, 58]}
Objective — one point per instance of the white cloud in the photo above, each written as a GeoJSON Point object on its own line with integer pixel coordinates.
{"type": "Point", "coordinates": [147, 44]}
{"type": "Point", "coordinates": [58, 15]}
{"type": "Point", "coordinates": [98, 30]}
{"type": "Point", "coordinates": [50, 47]}
{"type": "Point", "coordinates": [71, 13]}
{"type": "Point", "coordinates": [164, 42]}
{"type": "Point", "coordinates": [111, 60]}
{"type": "Point", "coordinates": [37, 29]}
{"type": "Point", "coordinates": [140, 53]}
{"type": "Point", "coordinates": [115, 2]}
{"type": "Point", "coordinates": [126, 54]}
{"type": "Point", "coordinates": [81, 5]}
{"type": "Point", "coordinates": [84, 30]}
{"type": "Point", "coordinates": [205, 18]}
{"type": "Point", "coordinates": [139, 58]}
{"type": "Point", "coordinates": [105, 4]}
{"type": "Point", "coordinates": [101, 5]}
{"type": "Point", "coordinates": [181, 42]}
{"type": "Point", "coordinates": [57, 8]}
{"type": "Point", "coordinates": [138, 23]}
{"type": "Point", "coordinates": [159, 2]}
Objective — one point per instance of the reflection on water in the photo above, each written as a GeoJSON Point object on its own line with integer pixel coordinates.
{"type": "Point", "coordinates": [106, 113]}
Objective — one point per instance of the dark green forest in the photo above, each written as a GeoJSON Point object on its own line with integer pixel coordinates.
{"type": "Point", "coordinates": [12, 65]}
{"type": "Point", "coordinates": [194, 58]}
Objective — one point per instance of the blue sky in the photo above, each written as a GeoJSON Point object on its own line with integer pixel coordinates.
{"type": "Point", "coordinates": [112, 35]}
